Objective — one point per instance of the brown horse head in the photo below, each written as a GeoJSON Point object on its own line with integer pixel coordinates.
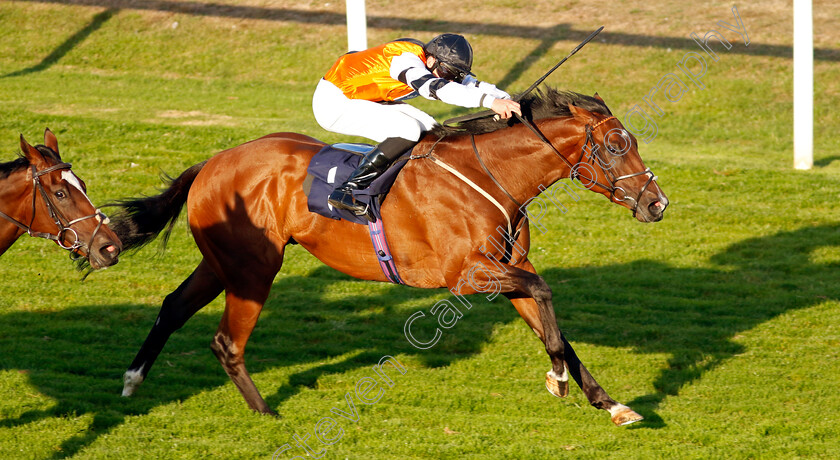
{"type": "Point", "coordinates": [609, 164]}
{"type": "Point", "coordinates": [593, 148]}
{"type": "Point", "coordinates": [52, 203]}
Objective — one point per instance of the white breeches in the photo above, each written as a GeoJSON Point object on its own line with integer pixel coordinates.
{"type": "Point", "coordinates": [356, 117]}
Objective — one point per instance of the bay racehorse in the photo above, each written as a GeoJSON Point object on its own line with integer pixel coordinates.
{"type": "Point", "coordinates": [247, 203]}
{"type": "Point", "coordinates": [42, 197]}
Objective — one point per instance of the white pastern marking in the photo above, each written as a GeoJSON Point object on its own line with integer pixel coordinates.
{"type": "Point", "coordinates": [617, 408]}
{"type": "Point", "coordinates": [131, 380]}
{"type": "Point", "coordinates": [564, 377]}
{"type": "Point", "coordinates": [75, 182]}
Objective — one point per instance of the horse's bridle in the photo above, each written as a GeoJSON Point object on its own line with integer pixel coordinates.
{"type": "Point", "coordinates": [611, 177]}
{"type": "Point", "coordinates": [64, 225]}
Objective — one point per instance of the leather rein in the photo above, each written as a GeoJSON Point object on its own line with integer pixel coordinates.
{"type": "Point", "coordinates": [62, 223]}
{"type": "Point", "coordinates": [608, 174]}
{"type": "Point", "coordinates": [611, 177]}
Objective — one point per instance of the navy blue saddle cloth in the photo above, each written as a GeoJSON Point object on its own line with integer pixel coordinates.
{"type": "Point", "coordinates": [331, 166]}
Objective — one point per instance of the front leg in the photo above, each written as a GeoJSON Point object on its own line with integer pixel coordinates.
{"type": "Point", "coordinates": [531, 296]}
{"type": "Point", "coordinates": [556, 379]}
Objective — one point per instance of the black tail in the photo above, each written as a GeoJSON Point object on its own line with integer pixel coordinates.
{"type": "Point", "coordinates": [141, 220]}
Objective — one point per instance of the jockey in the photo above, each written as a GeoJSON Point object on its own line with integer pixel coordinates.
{"type": "Point", "coordinates": [363, 93]}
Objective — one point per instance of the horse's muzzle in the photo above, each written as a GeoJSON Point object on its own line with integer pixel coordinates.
{"type": "Point", "coordinates": [654, 211]}
{"type": "Point", "coordinates": [104, 254]}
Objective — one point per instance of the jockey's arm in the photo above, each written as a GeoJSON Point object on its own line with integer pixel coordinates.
{"type": "Point", "coordinates": [487, 88]}
{"type": "Point", "coordinates": [410, 69]}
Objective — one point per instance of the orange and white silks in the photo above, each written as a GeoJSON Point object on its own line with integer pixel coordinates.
{"type": "Point", "coordinates": [367, 74]}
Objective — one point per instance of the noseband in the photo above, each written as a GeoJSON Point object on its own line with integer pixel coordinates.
{"type": "Point", "coordinates": [611, 177]}
{"type": "Point", "coordinates": [64, 225]}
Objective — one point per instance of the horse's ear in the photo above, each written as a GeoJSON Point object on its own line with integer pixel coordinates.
{"type": "Point", "coordinates": [31, 153]}
{"type": "Point", "coordinates": [50, 140]}
{"type": "Point", "coordinates": [596, 96]}
{"type": "Point", "coordinates": [24, 146]}
{"type": "Point", "coordinates": [580, 113]}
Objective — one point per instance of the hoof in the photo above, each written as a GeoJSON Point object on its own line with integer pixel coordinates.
{"type": "Point", "coordinates": [623, 415]}
{"type": "Point", "coordinates": [267, 411]}
{"type": "Point", "coordinates": [131, 380]}
{"type": "Point", "coordinates": [557, 385]}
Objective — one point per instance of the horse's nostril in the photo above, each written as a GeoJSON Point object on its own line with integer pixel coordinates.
{"type": "Point", "coordinates": [109, 250]}
{"type": "Point", "coordinates": [657, 207]}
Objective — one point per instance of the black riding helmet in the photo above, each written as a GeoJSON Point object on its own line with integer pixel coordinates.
{"type": "Point", "coordinates": [453, 56]}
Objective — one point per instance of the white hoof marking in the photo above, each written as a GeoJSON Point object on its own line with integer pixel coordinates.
{"type": "Point", "coordinates": [131, 380]}
{"type": "Point", "coordinates": [617, 408]}
{"type": "Point", "coordinates": [564, 377]}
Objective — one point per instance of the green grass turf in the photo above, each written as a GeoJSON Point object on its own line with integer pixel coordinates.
{"type": "Point", "coordinates": [718, 324]}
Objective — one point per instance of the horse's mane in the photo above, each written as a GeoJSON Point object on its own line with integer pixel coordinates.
{"type": "Point", "coordinates": [21, 162]}
{"type": "Point", "coordinates": [545, 103]}
{"type": "Point", "coordinates": [8, 168]}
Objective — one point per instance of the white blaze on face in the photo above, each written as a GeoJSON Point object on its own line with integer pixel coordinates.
{"type": "Point", "coordinates": [75, 182]}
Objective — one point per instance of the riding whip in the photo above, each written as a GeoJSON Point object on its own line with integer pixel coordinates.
{"type": "Point", "coordinates": [487, 113]}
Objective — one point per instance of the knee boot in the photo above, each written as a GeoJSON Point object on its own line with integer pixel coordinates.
{"type": "Point", "coordinates": [372, 166]}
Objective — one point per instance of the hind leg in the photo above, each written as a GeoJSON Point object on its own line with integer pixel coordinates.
{"type": "Point", "coordinates": [238, 321]}
{"type": "Point", "coordinates": [199, 289]}
{"type": "Point", "coordinates": [245, 258]}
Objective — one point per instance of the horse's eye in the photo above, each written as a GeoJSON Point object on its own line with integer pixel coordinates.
{"type": "Point", "coordinates": [60, 194]}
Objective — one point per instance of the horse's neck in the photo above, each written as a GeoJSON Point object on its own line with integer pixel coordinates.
{"type": "Point", "coordinates": [523, 163]}
{"type": "Point", "coordinates": [9, 233]}
{"type": "Point", "coordinates": [13, 193]}
{"type": "Point", "coordinates": [15, 196]}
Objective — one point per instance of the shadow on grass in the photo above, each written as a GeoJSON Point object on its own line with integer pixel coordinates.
{"type": "Point", "coordinates": [549, 35]}
{"type": "Point", "coordinates": [823, 162]}
{"type": "Point", "coordinates": [67, 46]}
{"type": "Point", "coordinates": [76, 356]}
{"type": "Point", "coordinates": [693, 314]}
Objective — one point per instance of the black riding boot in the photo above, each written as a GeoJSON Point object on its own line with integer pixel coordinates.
{"type": "Point", "coordinates": [372, 166]}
